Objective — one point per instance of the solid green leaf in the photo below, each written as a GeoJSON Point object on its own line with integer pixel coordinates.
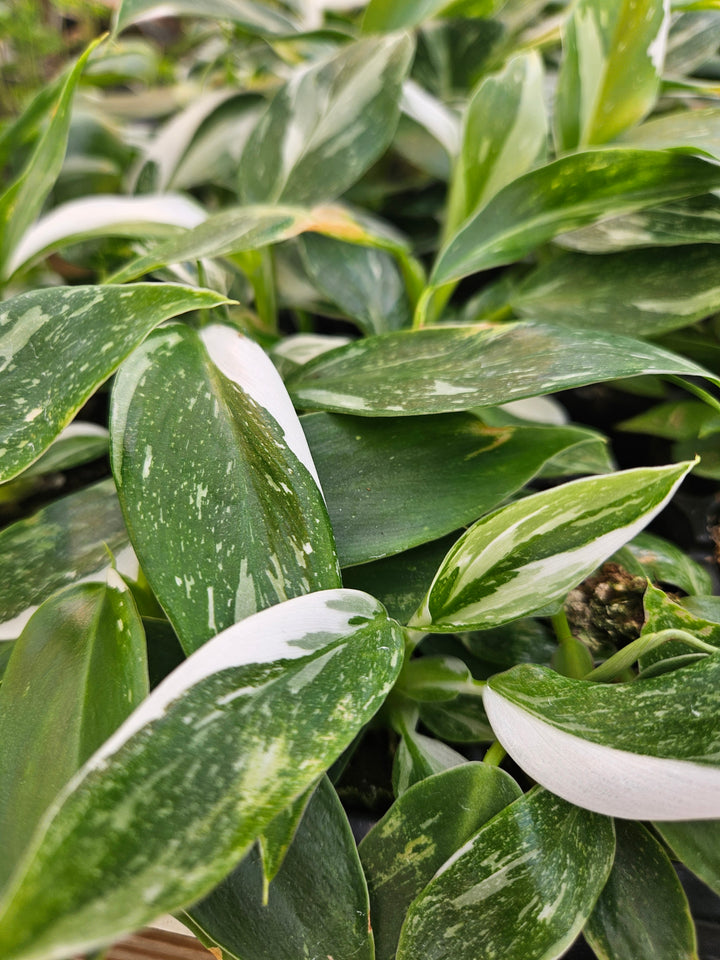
{"type": "Point", "coordinates": [382, 17]}
{"type": "Point", "coordinates": [646, 291]}
{"type": "Point", "coordinates": [566, 194]}
{"type": "Point", "coordinates": [675, 420]}
{"type": "Point", "coordinates": [707, 449]}
{"type": "Point", "coordinates": [522, 641]}
{"type": "Point", "coordinates": [176, 457]}
{"type": "Point", "coordinates": [644, 750]}
{"type": "Point", "coordinates": [317, 903]}
{"type": "Point", "coordinates": [416, 836]}
{"type": "Point", "coordinates": [22, 201]}
{"type": "Point", "coordinates": [520, 889]}
{"type": "Point", "coordinates": [532, 552]}
{"type": "Point", "coordinates": [462, 720]}
{"type": "Point", "coordinates": [78, 443]}
{"type": "Point", "coordinates": [613, 53]}
{"type": "Point", "coordinates": [255, 17]}
{"type": "Point", "coordinates": [434, 679]}
{"type": "Point", "coordinates": [418, 757]}
{"type": "Point", "coordinates": [172, 801]}
{"type": "Point", "coordinates": [59, 344]}
{"type": "Point", "coordinates": [504, 135]}
{"type": "Point", "coordinates": [76, 672]}
{"type": "Point", "coordinates": [451, 368]}
{"type": "Point", "coordinates": [330, 122]}
{"type": "Point", "coordinates": [697, 844]}
{"type": "Point", "coordinates": [364, 283]}
{"type": "Point", "coordinates": [642, 911]}
{"type": "Point", "coordinates": [375, 474]}
{"type": "Point", "coordinates": [68, 540]}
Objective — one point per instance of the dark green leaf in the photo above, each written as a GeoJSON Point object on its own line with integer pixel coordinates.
{"type": "Point", "coordinates": [462, 720]}
{"type": "Point", "coordinates": [677, 420]}
{"type": "Point", "coordinates": [642, 911]}
{"type": "Point", "coordinates": [423, 829]}
{"type": "Point", "coordinates": [58, 345]}
{"type": "Point", "coordinates": [275, 841]}
{"type": "Point", "coordinates": [174, 462]}
{"type": "Point", "coordinates": [167, 806]}
{"type": "Point", "coordinates": [697, 845]}
{"type": "Point", "coordinates": [418, 757]}
{"type": "Point", "coordinates": [434, 679]}
{"type": "Point", "coordinates": [520, 889]}
{"type": "Point", "coordinates": [318, 902]}
{"type": "Point", "coordinates": [667, 563]}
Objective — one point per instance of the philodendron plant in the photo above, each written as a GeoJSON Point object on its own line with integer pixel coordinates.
{"type": "Point", "coordinates": [330, 263]}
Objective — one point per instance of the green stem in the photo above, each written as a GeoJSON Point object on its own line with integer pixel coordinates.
{"type": "Point", "coordinates": [561, 627]}
{"type": "Point", "coordinates": [624, 658]}
{"type": "Point", "coordinates": [420, 317]}
{"type": "Point", "coordinates": [699, 392]}
{"type": "Point", "coordinates": [495, 755]}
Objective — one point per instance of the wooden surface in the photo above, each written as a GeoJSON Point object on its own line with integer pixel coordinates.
{"type": "Point", "coordinates": [158, 945]}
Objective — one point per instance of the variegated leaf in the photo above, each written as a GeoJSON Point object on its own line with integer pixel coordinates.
{"type": "Point", "coordinates": [176, 457]}
{"type": "Point", "coordinates": [381, 16]}
{"type": "Point", "coordinates": [520, 889]}
{"type": "Point", "coordinates": [257, 17]}
{"type": "Point", "coordinates": [59, 344]}
{"type": "Point", "coordinates": [168, 805]}
{"type": "Point", "coordinates": [529, 554]}
{"type": "Point", "coordinates": [647, 750]}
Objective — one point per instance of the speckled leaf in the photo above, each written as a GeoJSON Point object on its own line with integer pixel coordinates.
{"type": "Point", "coordinates": [646, 291]}
{"type": "Point", "coordinates": [462, 720]}
{"type": "Point", "coordinates": [665, 562]}
{"type": "Point", "coordinates": [662, 613]}
{"type": "Point", "coordinates": [532, 552]}
{"type": "Point", "coordinates": [451, 368]}
{"type": "Point", "coordinates": [536, 869]}
{"type": "Point", "coordinates": [645, 750]}
{"type": "Point", "coordinates": [330, 122]}
{"type": "Point", "coordinates": [318, 902]}
{"type": "Point", "coordinates": [59, 344]}
{"type": "Point", "coordinates": [77, 671]}
{"type": "Point", "coordinates": [697, 844]}
{"type": "Point", "coordinates": [642, 911]}
{"type": "Point", "coordinates": [504, 135]}
{"type": "Point", "coordinates": [275, 841]}
{"type": "Point", "coordinates": [24, 198]}
{"type": "Point", "coordinates": [78, 443]}
{"type": "Point", "coordinates": [169, 804]}
{"type": "Point", "coordinates": [64, 542]}
{"type": "Point", "coordinates": [434, 678]}
{"type": "Point", "coordinates": [613, 53]}
{"type": "Point", "coordinates": [423, 829]}
{"type": "Point", "coordinates": [142, 217]}
{"type": "Point", "coordinates": [418, 757]}
{"type": "Point", "coordinates": [381, 16]}
{"type": "Point", "coordinates": [565, 194]}
{"type": "Point", "coordinates": [175, 461]}
{"type": "Point", "coordinates": [364, 283]}
{"type": "Point", "coordinates": [375, 474]}
{"type": "Point", "coordinates": [257, 17]}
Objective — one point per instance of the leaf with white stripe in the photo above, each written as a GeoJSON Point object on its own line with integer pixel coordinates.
{"type": "Point", "coordinates": [613, 54]}
{"type": "Point", "coordinates": [403, 851]}
{"type": "Point", "coordinates": [171, 802]}
{"type": "Point", "coordinates": [76, 672]}
{"type": "Point", "coordinates": [216, 481]}
{"type": "Point", "coordinates": [520, 889]}
{"type": "Point", "coordinates": [318, 901]}
{"type": "Point", "coordinates": [642, 911]}
{"type": "Point", "coordinates": [504, 135]}
{"type": "Point", "coordinates": [529, 554]}
{"type": "Point", "coordinates": [645, 750]}
{"type": "Point", "coordinates": [568, 193]}
{"type": "Point", "coordinates": [255, 17]}
{"type": "Point", "coordinates": [450, 368]}
{"type": "Point", "coordinates": [59, 344]}
{"type": "Point", "coordinates": [64, 542]}
{"type": "Point", "coordinates": [329, 123]}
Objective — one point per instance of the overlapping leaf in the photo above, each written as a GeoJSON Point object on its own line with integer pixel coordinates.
{"type": "Point", "coordinates": [169, 804]}
{"type": "Point", "coordinates": [257, 17]}
{"type": "Point", "coordinates": [59, 344]}
{"type": "Point", "coordinates": [381, 16]}
{"type": "Point", "coordinates": [456, 367]}
{"type": "Point", "coordinates": [646, 750]}
{"type": "Point", "coordinates": [219, 477]}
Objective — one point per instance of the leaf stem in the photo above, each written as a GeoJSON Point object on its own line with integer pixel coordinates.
{"type": "Point", "coordinates": [699, 392]}
{"type": "Point", "coordinates": [563, 634]}
{"type": "Point", "coordinates": [628, 655]}
{"type": "Point", "coordinates": [495, 754]}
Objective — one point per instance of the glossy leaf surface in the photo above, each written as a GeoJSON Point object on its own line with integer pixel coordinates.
{"type": "Point", "coordinates": [261, 711]}
{"type": "Point", "coordinates": [66, 541]}
{"type": "Point", "coordinates": [175, 457]}
{"type": "Point", "coordinates": [78, 669]}
{"type": "Point", "coordinates": [59, 344]}
{"type": "Point", "coordinates": [521, 888]}
{"type": "Point", "coordinates": [662, 613]}
{"type": "Point", "coordinates": [451, 368]}
{"type": "Point", "coordinates": [318, 901]}
{"type": "Point", "coordinates": [375, 474]}
{"type": "Point", "coordinates": [526, 555]}
{"type": "Point", "coordinates": [327, 125]}
{"type": "Point", "coordinates": [423, 829]}
{"type": "Point", "coordinates": [642, 911]}
{"type": "Point", "coordinates": [667, 563]}
{"type": "Point", "coordinates": [381, 17]}
{"type": "Point", "coordinates": [646, 750]}
{"type": "Point", "coordinates": [613, 53]}
{"type": "Point", "coordinates": [697, 844]}
{"type": "Point", "coordinates": [252, 16]}
{"type": "Point", "coordinates": [646, 291]}
{"type": "Point", "coordinates": [565, 194]}
{"type": "Point", "coordinates": [418, 757]}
